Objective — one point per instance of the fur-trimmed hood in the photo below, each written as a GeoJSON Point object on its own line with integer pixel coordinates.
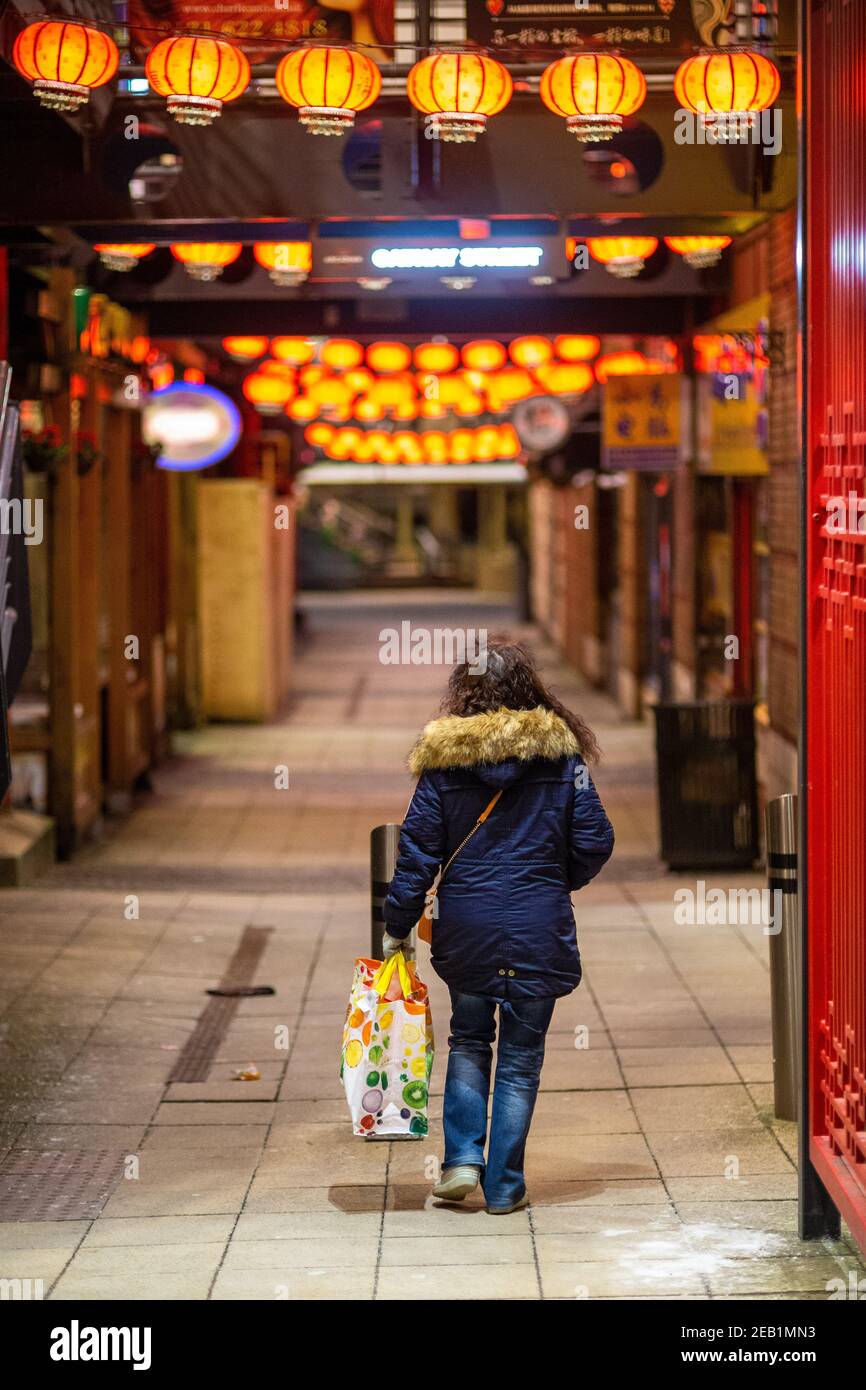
{"type": "Point", "coordinates": [485, 740]}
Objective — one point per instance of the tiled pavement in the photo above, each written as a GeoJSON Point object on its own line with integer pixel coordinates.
{"type": "Point", "coordinates": [655, 1166]}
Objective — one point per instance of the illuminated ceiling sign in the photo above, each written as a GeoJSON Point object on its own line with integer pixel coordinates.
{"type": "Point", "coordinates": [478, 475]}
{"type": "Point", "coordinates": [193, 426]}
{"type": "Point", "coordinates": [454, 257]}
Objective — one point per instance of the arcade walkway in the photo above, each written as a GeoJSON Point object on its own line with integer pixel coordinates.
{"type": "Point", "coordinates": [655, 1168]}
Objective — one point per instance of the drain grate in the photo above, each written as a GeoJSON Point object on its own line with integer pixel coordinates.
{"type": "Point", "coordinates": [57, 1185]}
{"type": "Point", "coordinates": [200, 1049]}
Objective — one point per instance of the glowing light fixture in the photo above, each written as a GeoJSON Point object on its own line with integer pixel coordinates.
{"type": "Point", "coordinates": [205, 260]}
{"type": "Point", "coordinates": [593, 91]}
{"type": "Point", "coordinates": [530, 352]}
{"type": "Point", "coordinates": [193, 425]}
{"type": "Point", "coordinates": [268, 391]}
{"type": "Point", "coordinates": [576, 347]}
{"type": "Point", "coordinates": [457, 92]}
{"type": "Point", "coordinates": [242, 349]}
{"type": "Point", "coordinates": [296, 351]}
{"type": "Point", "coordinates": [469, 405]}
{"type": "Point", "coordinates": [329, 86]}
{"type": "Point", "coordinates": [733, 84]}
{"type": "Point", "coordinates": [509, 444]}
{"type": "Point", "coordinates": [627, 364]}
{"type": "Point", "coordinates": [509, 385]}
{"type": "Point", "coordinates": [451, 388]}
{"type": "Point", "coordinates": [698, 251]}
{"type": "Point", "coordinates": [436, 358]}
{"type": "Point", "coordinates": [477, 257]}
{"type": "Point", "coordinates": [360, 379]}
{"type": "Point", "coordinates": [393, 391]}
{"type": "Point", "coordinates": [566, 378]}
{"type": "Point", "coordinates": [64, 61]}
{"type": "Point", "coordinates": [624, 256]}
{"type": "Point", "coordinates": [319, 434]}
{"type": "Point", "coordinates": [484, 355]}
{"type": "Point", "coordinates": [288, 263]}
{"type": "Point", "coordinates": [123, 256]}
{"type": "Point", "coordinates": [331, 393]}
{"type": "Point", "coordinates": [342, 354]}
{"type": "Point", "coordinates": [388, 357]}
{"type": "Point", "coordinates": [302, 409]}
{"type": "Point", "coordinates": [197, 76]}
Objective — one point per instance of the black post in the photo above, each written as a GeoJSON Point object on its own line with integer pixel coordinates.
{"type": "Point", "coordinates": [384, 842]}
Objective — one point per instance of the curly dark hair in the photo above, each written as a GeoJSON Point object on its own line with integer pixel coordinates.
{"type": "Point", "coordinates": [511, 680]}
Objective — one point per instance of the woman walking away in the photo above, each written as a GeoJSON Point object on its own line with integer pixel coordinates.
{"type": "Point", "coordinates": [503, 926]}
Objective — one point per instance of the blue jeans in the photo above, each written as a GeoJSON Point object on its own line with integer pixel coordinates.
{"type": "Point", "coordinates": [522, 1031]}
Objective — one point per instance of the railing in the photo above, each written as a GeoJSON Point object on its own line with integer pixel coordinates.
{"type": "Point", "coordinates": [8, 445]}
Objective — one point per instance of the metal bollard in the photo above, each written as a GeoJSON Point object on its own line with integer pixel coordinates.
{"type": "Point", "coordinates": [785, 955]}
{"type": "Point", "coordinates": [384, 840]}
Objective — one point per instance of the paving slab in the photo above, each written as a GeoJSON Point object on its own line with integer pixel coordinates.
{"type": "Point", "coordinates": [656, 1166]}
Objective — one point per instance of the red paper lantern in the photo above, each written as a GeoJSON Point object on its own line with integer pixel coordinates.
{"type": "Point", "coordinates": [123, 256]}
{"type": "Point", "coordinates": [738, 83]}
{"type": "Point", "coordinates": [205, 260]}
{"type": "Point", "coordinates": [624, 256]}
{"type": "Point", "coordinates": [458, 91]}
{"type": "Point", "coordinates": [197, 76]}
{"type": "Point", "coordinates": [593, 91]}
{"type": "Point", "coordinates": [65, 61]}
{"type": "Point", "coordinates": [329, 86]}
{"type": "Point", "coordinates": [288, 263]}
{"type": "Point", "coordinates": [698, 251]}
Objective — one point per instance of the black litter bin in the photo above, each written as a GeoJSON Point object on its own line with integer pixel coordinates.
{"type": "Point", "coordinates": [706, 778]}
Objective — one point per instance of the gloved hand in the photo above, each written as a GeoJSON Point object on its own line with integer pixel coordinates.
{"type": "Point", "coordinates": [391, 944]}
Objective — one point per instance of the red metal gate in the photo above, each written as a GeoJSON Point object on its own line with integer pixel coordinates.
{"type": "Point", "coordinates": [835, 273]}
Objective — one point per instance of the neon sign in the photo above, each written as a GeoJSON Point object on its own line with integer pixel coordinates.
{"type": "Point", "coordinates": [450, 257]}
{"type": "Point", "coordinates": [193, 425]}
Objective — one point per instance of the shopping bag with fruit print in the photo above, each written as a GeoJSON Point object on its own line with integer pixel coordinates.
{"type": "Point", "coordinates": [387, 1052]}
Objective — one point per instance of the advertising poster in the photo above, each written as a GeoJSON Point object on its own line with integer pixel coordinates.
{"type": "Point", "coordinates": [732, 360]}
{"type": "Point", "coordinates": [367, 22]}
{"type": "Point", "coordinates": [643, 425]}
{"type": "Point", "coordinates": [563, 24]}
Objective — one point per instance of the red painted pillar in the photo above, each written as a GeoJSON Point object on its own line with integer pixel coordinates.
{"type": "Point", "coordinates": [834, 628]}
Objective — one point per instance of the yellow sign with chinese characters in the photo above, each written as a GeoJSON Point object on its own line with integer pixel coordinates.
{"type": "Point", "coordinates": [733, 355]}
{"type": "Point", "coordinates": [643, 423]}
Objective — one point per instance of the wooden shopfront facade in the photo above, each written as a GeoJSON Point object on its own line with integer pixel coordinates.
{"type": "Point", "coordinates": [90, 719]}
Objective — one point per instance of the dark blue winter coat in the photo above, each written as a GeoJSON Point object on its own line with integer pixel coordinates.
{"type": "Point", "coordinates": [505, 925]}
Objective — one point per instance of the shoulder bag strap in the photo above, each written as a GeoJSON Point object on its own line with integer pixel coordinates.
{"type": "Point", "coordinates": [480, 821]}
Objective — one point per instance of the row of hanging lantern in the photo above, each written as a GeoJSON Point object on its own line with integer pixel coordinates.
{"type": "Point", "coordinates": [289, 263]}
{"type": "Point", "coordinates": [341, 380]}
{"type": "Point", "coordinates": [482, 444]}
{"type": "Point", "coordinates": [626, 256]}
{"type": "Point", "coordinates": [456, 91]}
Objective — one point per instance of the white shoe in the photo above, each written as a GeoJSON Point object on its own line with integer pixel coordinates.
{"type": "Point", "coordinates": [457, 1183]}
